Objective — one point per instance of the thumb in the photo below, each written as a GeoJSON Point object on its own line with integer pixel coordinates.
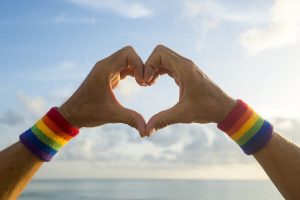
{"type": "Point", "coordinates": [163, 119]}
{"type": "Point", "coordinates": [131, 118]}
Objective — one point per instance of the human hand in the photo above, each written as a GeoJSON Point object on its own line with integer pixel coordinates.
{"type": "Point", "coordinates": [200, 100]}
{"type": "Point", "coordinates": [94, 103]}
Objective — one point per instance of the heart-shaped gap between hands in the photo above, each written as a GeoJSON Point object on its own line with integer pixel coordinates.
{"type": "Point", "coordinates": [147, 101]}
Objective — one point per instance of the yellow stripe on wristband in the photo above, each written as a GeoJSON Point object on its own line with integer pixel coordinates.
{"type": "Point", "coordinates": [250, 131]}
{"type": "Point", "coordinates": [251, 121]}
{"type": "Point", "coordinates": [43, 138]}
{"type": "Point", "coordinates": [50, 134]}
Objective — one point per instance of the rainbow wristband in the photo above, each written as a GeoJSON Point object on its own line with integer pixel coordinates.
{"type": "Point", "coordinates": [250, 131]}
{"type": "Point", "coordinates": [48, 135]}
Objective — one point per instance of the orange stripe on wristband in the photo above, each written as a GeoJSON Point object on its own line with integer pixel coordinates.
{"type": "Point", "coordinates": [247, 128]}
{"type": "Point", "coordinates": [250, 122]}
{"type": "Point", "coordinates": [55, 128]}
{"type": "Point", "coordinates": [50, 134]}
{"type": "Point", "coordinates": [246, 116]}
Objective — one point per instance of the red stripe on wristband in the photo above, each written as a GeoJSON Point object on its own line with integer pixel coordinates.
{"type": "Point", "coordinates": [48, 135]}
{"type": "Point", "coordinates": [55, 128]}
{"type": "Point", "coordinates": [61, 122]}
{"type": "Point", "coordinates": [247, 128]}
{"type": "Point", "coordinates": [239, 109]}
{"type": "Point", "coordinates": [240, 122]}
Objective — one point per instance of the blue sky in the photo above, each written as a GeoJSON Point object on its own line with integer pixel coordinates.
{"type": "Point", "coordinates": [250, 48]}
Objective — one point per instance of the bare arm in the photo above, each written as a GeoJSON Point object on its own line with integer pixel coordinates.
{"type": "Point", "coordinates": [281, 161]}
{"type": "Point", "coordinates": [93, 104]}
{"type": "Point", "coordinates": [202, 101]}
{"type": "Point", "coordinates": [18, 166]}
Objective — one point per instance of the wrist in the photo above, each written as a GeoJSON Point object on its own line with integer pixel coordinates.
{"type": "Point", "coordinates": [248, 129]}
{"type": "Point", "coordinates": [68, 112]}
{"type": "Point", "coordinates": [225, 106]}
{"type": "Point", "coordinates": [48, 135]}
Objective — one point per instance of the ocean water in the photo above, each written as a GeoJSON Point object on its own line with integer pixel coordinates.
{"type": "Point", "coordinates": [150, 190]}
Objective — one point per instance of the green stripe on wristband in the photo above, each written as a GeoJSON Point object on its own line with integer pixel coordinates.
{"type": "Point", "coordinates": [46, 140]}
{"type": "Point", "coordinates": [251, 132]}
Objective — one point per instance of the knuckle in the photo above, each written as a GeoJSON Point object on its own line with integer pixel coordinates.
{"type": "Point", "coordinates": [128, 49]}
{"type": "Point", "coordinates": [99, 65]}
{"type": "Point", "coordinates": [151, 67]}
{"type": "Point", "coordinates": [131, 122]}
{"type": "Point", "coordinates": [161, 123]}
{"type": "Point", "coordinates": [187, 62]}
{"type": "Point", "coordinates": [160, 47]}
{"type": "Point", "coordinates": [190, 62]}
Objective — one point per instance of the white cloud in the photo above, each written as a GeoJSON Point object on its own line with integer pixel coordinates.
{"type": "Point", "coordinates": [127, 88]}
{"type": "Point", "coordinates": [64, 18]}
{"type": "Point", "coordinates": [36, 105]}
{"type": "Point", "coordinates": [206, 15]}
{"type": "Point", "coordinates": [216, 10]}
{"type": "Point", "coordinates": [125, 8]}
{"type": "Point", "coordinates": [176, 146]}
{"type": "Point", "coordinates": [289, 128]}
{"type": "Point", "coordinates": [283, 30]}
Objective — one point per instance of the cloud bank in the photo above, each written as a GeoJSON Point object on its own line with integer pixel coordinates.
{"type": "Point", "coordinates": [282, 30]}
{"type": "Point", "coordinates": [118, 145]}
{"type": "Point", "coordinates": [206, 15]}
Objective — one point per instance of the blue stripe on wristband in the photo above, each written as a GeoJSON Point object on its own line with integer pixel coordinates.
{"type": "Point", "coordinates": [259, 139]}
{"type": "Point", "coordinates": [37, 147]}
{"type": "Point", "coordinates": [250, 131]}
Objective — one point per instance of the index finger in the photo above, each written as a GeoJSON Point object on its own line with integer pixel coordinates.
{"type": "Point", "coordinates": [161, 58]}
{"type": "Point", "coordinates": [136, 64]}
{"type": "Point", "coordinates": [129, 61]}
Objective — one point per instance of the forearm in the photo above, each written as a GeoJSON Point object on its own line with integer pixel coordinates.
{"type": "Point", "coordinates": [38, 144]}
{"type": "Point", "coordinates": [18, 165]}
{"type": "Point", "coordinates": [281, 161]}
{"type": "Point", "coordinates": [279, 158]}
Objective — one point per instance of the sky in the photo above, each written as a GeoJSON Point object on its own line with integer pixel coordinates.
{"type": "Point", "coordinates": [249, 48]}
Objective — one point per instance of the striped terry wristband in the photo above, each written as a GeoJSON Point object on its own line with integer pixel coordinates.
{"type": "Point", "coordinates": [250, 131]}
{"type": "Point", "coordinates": [48, 135]}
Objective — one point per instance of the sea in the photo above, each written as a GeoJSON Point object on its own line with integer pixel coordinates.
{"type": "Point", "coordinates": [150, 190]}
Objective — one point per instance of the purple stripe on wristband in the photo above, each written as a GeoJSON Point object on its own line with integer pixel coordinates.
{"type": "Point", "coordinates": [39, 149]}
{"type": "Point", "coordinates": [259, 140]}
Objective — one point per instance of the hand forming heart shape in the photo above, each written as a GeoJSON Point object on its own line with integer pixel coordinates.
{"type": "Point", "coordinates": [94, 103]}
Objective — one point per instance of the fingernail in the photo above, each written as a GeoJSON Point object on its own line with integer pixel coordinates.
{"type": "Point", "coordinates": [150, 132]}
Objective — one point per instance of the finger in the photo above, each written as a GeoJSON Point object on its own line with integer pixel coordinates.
{"type": "Point", "coordinates": [129, 117]}
{"type": "Point", "coordinates": [153, 79]}
{"type": "Point", "coordinates": [160, 72]}
{"type": "Point", "coordinates": [126, 59]}
{"type": "Point", "coordinates": [136, 64]}
{"type": "Point", "coordinates": [114, 81]}
{"type": "Point", "coordinates": [160, 58]}
{"type": "Point", "coordinates": [163, 119]}
{"type": "Point", "coordinates": [152, 65]}
{"type": "Point", "coordinates": [127, 72]}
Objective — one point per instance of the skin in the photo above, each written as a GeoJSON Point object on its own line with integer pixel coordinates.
{"type": "Point", "coordinates": [93, 104]}
{"type": "Point", "coordinates": [18, 165]}
{"type": "Point", "coordinates": [200, 101]}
